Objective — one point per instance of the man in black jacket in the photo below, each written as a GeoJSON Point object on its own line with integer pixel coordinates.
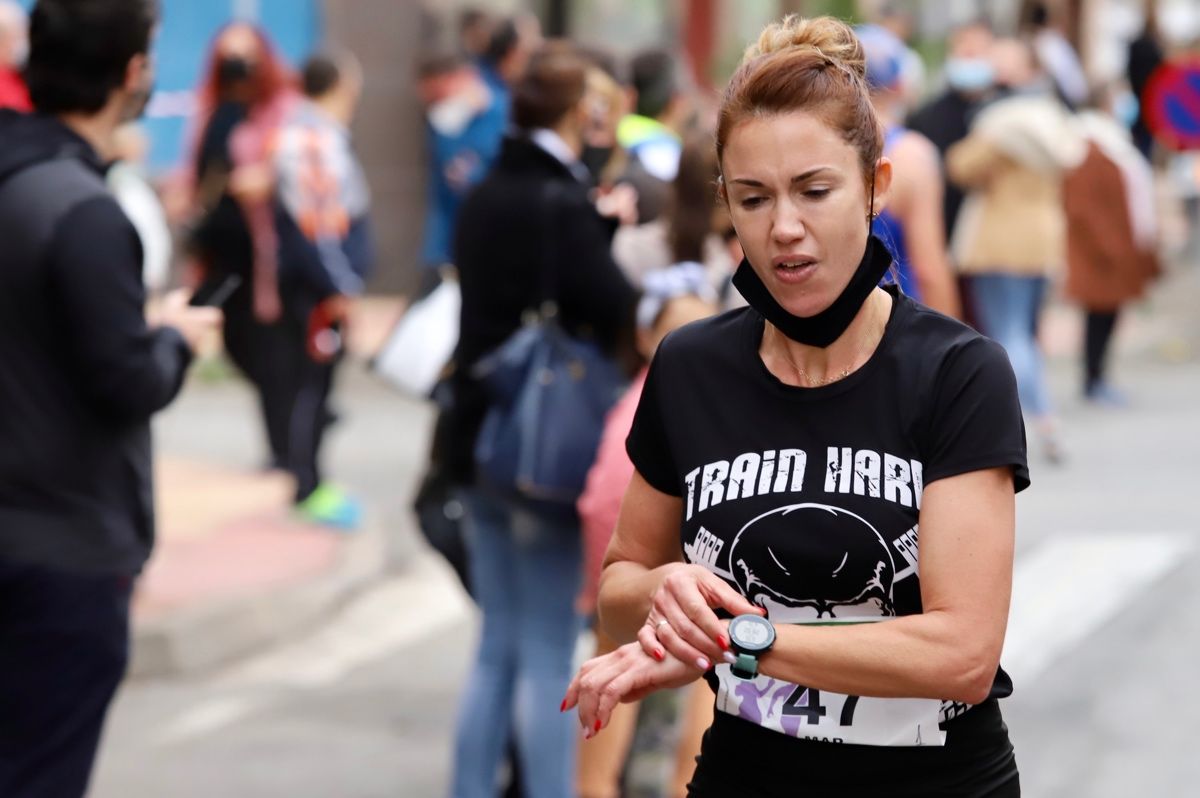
{"type": "Point", "coordinates": [81, 374]}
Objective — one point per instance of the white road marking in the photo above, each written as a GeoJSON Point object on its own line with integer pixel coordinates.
{"type": "Point", "coordinates": [1066, 589]}
{"type": "Point", "coordinates": [206, 719]}
{"type": "Point", "coordinates": [388, 617]}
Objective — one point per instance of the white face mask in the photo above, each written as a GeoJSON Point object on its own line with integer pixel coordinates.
{"type": "Point", "coordinates": [450, 116]}
{"type": "Point", "coordinates": [970, 74]}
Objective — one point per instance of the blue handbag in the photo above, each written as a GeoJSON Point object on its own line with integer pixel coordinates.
{"type": "Point", "coordinates": [550, 393]}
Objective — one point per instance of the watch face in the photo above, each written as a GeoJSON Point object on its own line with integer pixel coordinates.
{"type": "Point", "coordinates": [751, 633]}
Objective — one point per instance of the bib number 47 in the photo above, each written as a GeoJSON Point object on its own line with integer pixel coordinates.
{"type": "Point", "coordinates": [806, 702]}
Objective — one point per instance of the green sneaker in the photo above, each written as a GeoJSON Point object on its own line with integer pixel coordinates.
{"type": "Point", "coordinates": [329, 506]}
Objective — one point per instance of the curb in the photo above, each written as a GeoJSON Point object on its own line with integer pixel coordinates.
{"type": "Point", "coordinates": [202, 638]}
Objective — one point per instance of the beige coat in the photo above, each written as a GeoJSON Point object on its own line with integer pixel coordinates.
{"type": "Point", "coordinates": [1012, 164]}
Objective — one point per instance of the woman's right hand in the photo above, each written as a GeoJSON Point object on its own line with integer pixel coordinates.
{"type": "Point", "coordinates": [682, 622]}
{"type": "Point", "coordinates": [621, 676]}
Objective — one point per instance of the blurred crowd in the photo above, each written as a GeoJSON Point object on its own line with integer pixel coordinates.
{"type": "Point", "coordinates": [563, 177]}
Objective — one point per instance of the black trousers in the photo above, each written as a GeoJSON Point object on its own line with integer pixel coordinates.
{"type": "Point", "coordinates": [262, 353]}
{"type": "Point", "coordinates": [64, 642]}
{"type": "Point", "coordinates": [1098, 333]}
{"type": "Point", "coordinates": [309, 413]}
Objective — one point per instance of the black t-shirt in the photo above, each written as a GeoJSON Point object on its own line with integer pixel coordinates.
{"type": "Point", "coordinates": [222, 236]}
{"type": "Point", "coordinates": [806, 500]}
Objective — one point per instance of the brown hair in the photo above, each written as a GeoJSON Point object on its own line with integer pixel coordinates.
{"type": "Point", "coordinates": [690, 209]}
{"type": "Point", "coordinates": [813, 65]}
{"type": "Point", "coordinates": [553, 84]}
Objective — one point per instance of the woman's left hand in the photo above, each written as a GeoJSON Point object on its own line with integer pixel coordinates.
{"type": "Point", "coordinates": [627, 674]}
{"type": "Point", "coordinates": [620, 203]}
{"type": "Point", "coordinates": [252, 182]}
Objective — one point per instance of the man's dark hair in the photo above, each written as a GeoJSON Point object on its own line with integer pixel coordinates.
{"type": "Point", "coordinates": [552, 85]}
{"type": "Point", "coordinates": [471, 17]}
{"type": "Point", "coordinates": [321, 74]}
{"type": "Point", "coordinates": [505, 38]}
{"type": "Point", "coordinates": [439, 62]}
{"type": "Point", "coordinates": [1039, 16]}
{"type": "Point", "coordinates": [652, 73]}
{"type": "Point", "coordinates": [79, 50]}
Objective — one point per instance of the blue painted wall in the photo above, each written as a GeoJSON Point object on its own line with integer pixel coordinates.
{"type": "Point", "coordinates": [187, 30]}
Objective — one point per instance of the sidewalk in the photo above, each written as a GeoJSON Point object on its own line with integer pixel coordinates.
{"type": "Point", "coordinates": [233, 572]}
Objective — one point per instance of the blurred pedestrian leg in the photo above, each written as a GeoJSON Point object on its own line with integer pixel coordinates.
{"type": "Point", "coordinates": [526, 569]}
{"type": "Point", "coordinates": [64, 645]}
{"type": "Point", "coordinates": [1098, 332]}
{"type": "Point", "coordinates": [1008, 307]}
{"type": "Point", "coordinates": [261, 352]}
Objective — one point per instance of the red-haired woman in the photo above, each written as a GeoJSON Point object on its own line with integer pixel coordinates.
{"type": "Point", "coordinates": [241, 102]}
{"type": "Point", "coordinates": [785, 456]}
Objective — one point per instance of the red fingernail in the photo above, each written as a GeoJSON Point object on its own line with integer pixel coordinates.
{"type": "Point", "coordinates": [659, 655]}
{"type": "Point", "coordinates": [597, 726]}
{"type": "Point", "coordinates": [722, 642]}
{"type": "Point", "coordinates": [563, 706]}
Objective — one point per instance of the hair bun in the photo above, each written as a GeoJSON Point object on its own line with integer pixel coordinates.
{"type": "Point", "coordinates": [828, 36]}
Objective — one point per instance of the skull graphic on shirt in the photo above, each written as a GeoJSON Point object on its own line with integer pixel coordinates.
{"type": "Point", "coordinates": [810, 562]}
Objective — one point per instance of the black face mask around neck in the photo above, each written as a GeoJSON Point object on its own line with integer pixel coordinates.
{"type": "Point", "coordinates": [827, 326]}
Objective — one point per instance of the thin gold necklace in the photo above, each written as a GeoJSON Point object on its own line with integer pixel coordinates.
{"type": "Point", "coordinates": [818, 382]}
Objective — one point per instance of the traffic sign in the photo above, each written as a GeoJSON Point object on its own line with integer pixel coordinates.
{"type": "Point", "coordinates": [1171, 104]}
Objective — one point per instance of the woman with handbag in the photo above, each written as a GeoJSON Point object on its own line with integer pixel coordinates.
{"type": "Point", "coordinates": [788, 454]}
{"type": "Point", "coordinates": [528, 238]}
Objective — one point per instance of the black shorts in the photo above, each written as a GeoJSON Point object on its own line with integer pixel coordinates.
{"type": "Point", "coordinates": [742, 759]}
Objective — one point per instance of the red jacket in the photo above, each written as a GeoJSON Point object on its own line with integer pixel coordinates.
{"type": "Point", "coordinates": [13, 93]}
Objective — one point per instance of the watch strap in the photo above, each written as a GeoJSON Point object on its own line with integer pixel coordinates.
{"type": "Point", "coordinates": [746, 666]}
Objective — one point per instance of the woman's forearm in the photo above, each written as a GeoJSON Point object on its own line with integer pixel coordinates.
{"type": "Point", "coordinates": [932, 655]}
{"type": "Point", "coordinates": [625, 592]}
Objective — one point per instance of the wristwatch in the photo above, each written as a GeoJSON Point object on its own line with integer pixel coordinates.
{"type": "Point", "coordinates": [750, 636]}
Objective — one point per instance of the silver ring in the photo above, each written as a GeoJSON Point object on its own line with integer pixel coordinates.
{"type": "Point", "coordinates": [659, 625]}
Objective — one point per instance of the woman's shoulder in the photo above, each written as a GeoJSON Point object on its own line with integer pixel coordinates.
{"type": "Point", "coordinates": [933, 338]}
{"type": "Point", "coordinates": [708, 339]}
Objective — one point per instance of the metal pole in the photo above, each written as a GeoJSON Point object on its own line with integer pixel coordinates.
{"type": "Point", "coordinates": [699, 28]}
{"type": "Point", "coordinates": [558, 18]}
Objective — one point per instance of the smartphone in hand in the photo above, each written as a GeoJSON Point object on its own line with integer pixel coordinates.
{"type": "Point", "coordinates": [215, 293]}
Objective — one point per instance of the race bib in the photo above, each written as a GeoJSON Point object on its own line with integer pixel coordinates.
{"type": "Point", "coordinates": [808, 714]}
